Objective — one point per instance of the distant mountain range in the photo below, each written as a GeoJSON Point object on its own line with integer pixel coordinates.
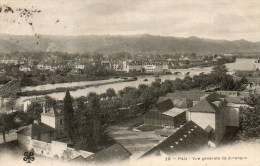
{"type": "Point", "coordinates": [136, 44]}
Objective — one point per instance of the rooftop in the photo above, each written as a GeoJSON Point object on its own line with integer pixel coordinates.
{"type": "Point", "coordinates": [114, 152]}
{"type": "Point", "coordinates": [189, 137]}
{"type": "Point", "coordinates": [36, 99]}
{"type": "Point", "coordinates": [174, 111]}
{"type": "Point", "coordinates": [79, 159]}
{"type": "Point", "coordinates": [206, 105]}
{"type": "Point", "coordinates": [53, 112]}
{"type": "Point", "coordinates": [35, 129]}
{"type": "Point", "coordinates": [164, 105]}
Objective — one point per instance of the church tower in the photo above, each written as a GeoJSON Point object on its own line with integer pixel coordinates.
{"type": "Point", "coordinates": [55, 119]}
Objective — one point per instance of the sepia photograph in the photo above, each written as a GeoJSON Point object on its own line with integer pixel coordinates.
{"type": "Point", "coordinates": [129, 82]}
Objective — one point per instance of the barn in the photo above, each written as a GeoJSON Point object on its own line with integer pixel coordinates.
{"type": "Point", "coordinates": [165, 114]}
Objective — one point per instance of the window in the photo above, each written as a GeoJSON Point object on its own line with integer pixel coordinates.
{"type": "Point", "coordinates": [61, 122]}
{"type": "Point", "coordinates": [61, 131]}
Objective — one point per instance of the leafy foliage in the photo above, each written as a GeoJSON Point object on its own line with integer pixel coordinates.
{"type": "Point", "coordinates": [250, 118]}
{"type": "Point", "coordinates": [7, 123]}
{"type": "Point", "coordinates": [34, 111]}
{"type": "Point", "coordinates": [69, 115]}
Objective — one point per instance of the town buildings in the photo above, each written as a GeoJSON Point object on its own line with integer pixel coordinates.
{"type": "Point", "coordinates": [48, 138]}
{"type": "Point", "coordinates": [213, 112]}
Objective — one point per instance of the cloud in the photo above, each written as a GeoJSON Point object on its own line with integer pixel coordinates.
{"type": "Point", "coordinates": [203, 18]}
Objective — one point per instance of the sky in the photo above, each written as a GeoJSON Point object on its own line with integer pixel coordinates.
{"type": "Point", "coordinates": [214, 19]}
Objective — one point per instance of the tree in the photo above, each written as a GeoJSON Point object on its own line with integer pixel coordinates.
{"type": "Point", "coordinates": [155, 84]}
{"type": "Point", "coordinates": [7, 123]}
{"type": "Point", "coordinates": [10, 104]}
{"type": "Point", "coordinates": [69, 115]}
{"type": "Point", "coordinates": [34, 111]}
{"type": "Point", "coordinates": [93, 111]}
{"type": "Point", "coordinates": [219, 70]}
{"type": "Point", "coordinates": [148, 98]}
{"type": "Point", "coordinates": [51, 102]}
{"type": "Point", "coordinates": [110, 92]}
{"type": "Point", "coordinates": [193, 55]}
{"type": "Point", "coordinates": [80, 118]}
{"type": "Point", "coordinates": [250, 123]}
{"type": "Point", "coordinates": [227, 83]}
{"type": "Point", "coordinates": [167, 86]}
{"type": "Point", "coordinates": [142, 87]}
{"type": "Point", "coordinates": [250, 118]}
{"type": "Point", "coordinates": [103, 96]}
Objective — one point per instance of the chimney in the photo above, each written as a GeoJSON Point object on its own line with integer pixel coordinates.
{"type": "Point", "coordinates": [44, 108]}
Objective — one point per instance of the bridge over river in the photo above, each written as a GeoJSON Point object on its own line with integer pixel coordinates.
{"type": "Point", "coordinates": [190, 71]}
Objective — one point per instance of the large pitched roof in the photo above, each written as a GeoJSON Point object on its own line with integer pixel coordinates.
{"type": "Point", "coordinates": [114, 152]}
{"type": "Point", "coordinates": [53, 112]}
{"type": "Point", "coordinates": [164, 105]}
{"type": "Point", "coordinates": [206, 104]}
{"type": "Point", "coordinates": [213, 97]}
{"type": "Point", "coordinates": [189, 137]}
{"type": "Point", "coordinates": [35, 129]}
{"type": "Point", "coordinates": [193, 95]}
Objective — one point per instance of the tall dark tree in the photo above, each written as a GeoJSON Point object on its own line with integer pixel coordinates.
{"type": "Point", "coordinates": [69, 115]}
{"type": "Point", "coordinates": [94, 116]}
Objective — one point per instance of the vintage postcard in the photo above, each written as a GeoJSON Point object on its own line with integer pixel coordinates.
{"type": "Point", "coordinates": [129, 82]}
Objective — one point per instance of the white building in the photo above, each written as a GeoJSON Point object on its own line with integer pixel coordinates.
{"type": "Point", "coordinates": [80, 66]}
{"type": "Point", "coordinates": [55, 119]}
{"type": "Point", "coordinates": [24, 68]}
{"type": "Point", "coordinates": [149, 68]}
{"type": "Point", "coordinates": [40, 66]}
{"type": "Point", "coordinates": [41, 100]}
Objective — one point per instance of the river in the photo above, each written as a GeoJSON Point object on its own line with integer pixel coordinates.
{"type": "Point", "coordinates": [240, 64]}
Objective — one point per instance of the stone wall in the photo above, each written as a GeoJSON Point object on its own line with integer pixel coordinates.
{"type": "Point", "coordinates": [55, 149]}
{"type": "Point", "coordinates": [24, 141]}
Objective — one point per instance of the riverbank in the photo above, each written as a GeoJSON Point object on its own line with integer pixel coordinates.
{"type": "Point", "coordinates": [74, 88]}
